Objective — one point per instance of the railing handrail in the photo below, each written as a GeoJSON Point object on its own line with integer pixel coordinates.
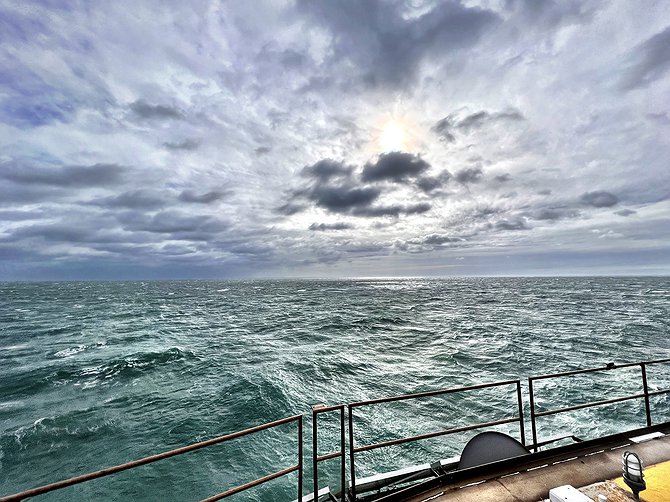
{"type": "Point", "coordinates": [354, 449]}
{"type": "Point", "coordinates": [646, 394]}
{"type": "Point", "coordinates": [610, 366]}
{"type": "Point", "coordinates": [40, 490]}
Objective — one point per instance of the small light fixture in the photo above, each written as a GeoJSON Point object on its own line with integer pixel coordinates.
{"type": "Point", "coordinates": [632, 473]}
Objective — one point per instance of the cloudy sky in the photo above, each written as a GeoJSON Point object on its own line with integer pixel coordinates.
{"type": "Point", "coordinates": [327, 139]}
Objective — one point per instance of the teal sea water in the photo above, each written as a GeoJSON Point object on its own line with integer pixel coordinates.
{"type": "Point", "coordinates": [95, 374]}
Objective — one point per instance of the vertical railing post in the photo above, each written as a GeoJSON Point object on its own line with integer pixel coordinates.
{"type": "Point", "coordinates": [315, 447]}
{"type": "Point", "coordinates": [351, 453]}
{"type": "Point", "coordinates": [522, 426]}
{"type": "Point", "coordinates": [300, 469]}
{"type": "Point", "coordinates": [343, 458]}
{"type": "Point", "coordinates": [645, 387]}
{"type": "Point", "coordinates": [532, 413]}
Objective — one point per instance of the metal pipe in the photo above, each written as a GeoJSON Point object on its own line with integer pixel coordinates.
{"type": "Point", "coordinates": [589, 405]}
{"type": "Point", "coordinates": [300, 460]}
{"type": "Point", "coordinates": [342, 456]}
{"type": "Point", "coordinates": [315, 457]}
{"type": "Point", "coordinates": [434, 434]}
{"type": "Point", "coordinates": [253, 483]}
{"type": "Point", "coordinates": [645, 388]}
{"type": "Point", "coordinates": [591, 370]}
{"type": "Point", "coordinates": [352, 452]}
{"type": "Point", "coordinates": [522, 425]}
{"type": "Point", "coordinates": [430, 393]}
{"type": "Point", "coordinates": [533, 426]}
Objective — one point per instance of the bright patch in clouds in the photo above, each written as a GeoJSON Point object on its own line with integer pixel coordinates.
{"type": "Point", "coordinates": [377, 138]}
{"type": "Point", "coordinates": [393, 137]}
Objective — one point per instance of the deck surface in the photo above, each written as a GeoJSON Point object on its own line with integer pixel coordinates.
{"type": "Point", "coordinates": [534, 484]}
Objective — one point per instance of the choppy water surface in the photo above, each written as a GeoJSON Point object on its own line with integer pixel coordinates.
{"type": "Point", "coordinates": [94, 374]}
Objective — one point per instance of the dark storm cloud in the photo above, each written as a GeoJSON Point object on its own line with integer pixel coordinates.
{"type": "Point", "coordinates": [202, 198]}
{"type": "Point", "coordinates": [135, 199]}
{"type": "Point", "coordinates": [469, 175]}
{"type": "Point", "coordinates": [503, 178]}
{"type": "Point", "coordinates": [648, 62]}
{"type": "Point", "coordinates": [392, 210]}
{"type": "Point", "coordinates": [187, 144]}
{"type": "Point", "coordinates": [387, 46]}
{"type": "Point", "coordinates": [343, 198]}
{"type": "Point", "coordinates": [395, 166]}
{"type": "Point", "coordinates": [326, 169]}
{"type": "Point", "coordinates": [145, 110]}
{"type": "Point", "coordinates": [599, 198]}
{"type": "Point", "coordinates": [322, 227]}
{"type": "Point", "coordinates": [64, 176]}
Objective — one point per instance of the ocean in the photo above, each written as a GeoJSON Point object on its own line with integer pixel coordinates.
{"type": "Point", "coordinates": [95, 374]}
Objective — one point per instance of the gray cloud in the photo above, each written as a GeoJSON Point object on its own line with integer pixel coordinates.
{"type": "Point", "coordinates": [444, 129]}
{"type": "Point", "coordinates": [469, 175]}
{"type": "Point", "coordinates": [430, 183]}
{"type": "Point", "coordinates": [322, 227]}
{"type": "Point", "coordinates": [343, 198]}
{"type": "Point", "coordinates": [188, 144]}
{"type": "Point", "coordinates": [395, 166]}
{"type": "Point", "coordinates": [511, 224]}
{"type": "Point", "coordinates": [325, 169]}
{"type": "Point", "coordinates": [648, 62]}
{"type": "Point", "coordinates": [135, 199]}
{"type": "Point", "coordinates": [625, 212]}
{"type": "Point", "coordinates": [599, 198]}
{"type": "Point", "coordinates": [387, 47]}
{"type": "Point", "coordinates": [64, 176]}
{"type": "Point", "coordinates": [447, 127]}
{"type": "Point", "coordinates": [202, 198]}
{"type": "Point", "coordinates": [172, 222]}
{"type": "Point", "coordinates": [392, 210]}
{"type": "Point", "coordinates": [144, 110]}
{"type": "Point", "coordinates": [480, 119]}
{"type": "Point", "coordinates": [552, 213]}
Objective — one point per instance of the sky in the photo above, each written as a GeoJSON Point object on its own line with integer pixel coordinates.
{"type": "Point", "coordinates": [206, 139]}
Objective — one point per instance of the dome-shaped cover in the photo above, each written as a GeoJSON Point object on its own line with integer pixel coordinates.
{"type": "Point", "coordinates": [490, 446]}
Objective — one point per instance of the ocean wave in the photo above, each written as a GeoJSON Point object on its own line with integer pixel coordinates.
{"type": "Point", "coordinates": [119, 369]}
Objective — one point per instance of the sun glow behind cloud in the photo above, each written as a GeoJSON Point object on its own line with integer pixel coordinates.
{"type": "Point", "coordinates": [393, 137]}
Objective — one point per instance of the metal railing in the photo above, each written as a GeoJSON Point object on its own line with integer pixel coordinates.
{"type": "Point", "coordinates": [358, 449]}
{"type": "Point", "coordinates": [646, 394]}
{"type": "Point", "coordinates": [316, 458]}
{"type": "Point", "coordinates": [185, 449]}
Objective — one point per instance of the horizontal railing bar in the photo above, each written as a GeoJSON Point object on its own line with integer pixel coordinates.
{"type": "Point", "coordinates": [143, 461]}
{"type": "Point", "coordinates": [588, 405]}
{"type": "Point", "coordinates": [431, 393]}
{"type": "Point", "coordinates": [251, 484]}
{"type": "Point", "coordinates": [326, 409]}
{"type": "Point", "coordinates": [659, 392]}
{"type": "Point", "coordinates": [434, 434]}
{"type": "Point", "coordinates": [328, 456]}
{"type": "Point", "coordinates": [592, 370]}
